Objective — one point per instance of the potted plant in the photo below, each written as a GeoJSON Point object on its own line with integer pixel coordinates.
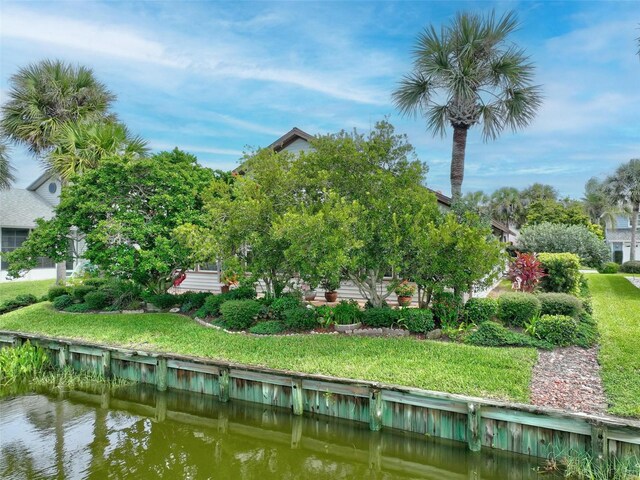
{"type": "Point", "coordinates": [309, 292]}
{"type": "Point", "coordinates": [330, 285]}
{"type": "Point", "coordinates": [231, 273]}
{"type": "Point", "coordinates": [404, 290]}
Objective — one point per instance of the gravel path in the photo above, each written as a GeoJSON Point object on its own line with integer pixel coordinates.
{"type": "Point", "coordinates": [634, 280]}
{"type": "Point", "coordinates": [569, 379]}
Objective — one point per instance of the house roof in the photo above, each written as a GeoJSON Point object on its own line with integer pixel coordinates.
{"type": "Point", "coordinates": [19, 208]}
{"type": "Point", "coordinates": [288, 138]}
{"type": "Point", "coordinates": [39, 181]}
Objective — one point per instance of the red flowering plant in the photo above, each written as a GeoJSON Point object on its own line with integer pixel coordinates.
{"type": "Point", "coordinates": [525, 272]}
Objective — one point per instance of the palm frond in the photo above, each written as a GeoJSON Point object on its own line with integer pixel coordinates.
{"type": "Point", "coordinates": [437, 119]}
{"type": "Point", "coordinates": [413, 94]}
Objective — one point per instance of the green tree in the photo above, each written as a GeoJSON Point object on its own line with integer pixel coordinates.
{"type": "Point", "coordinates": [538, 192]}
{"type": "Point", "coordinates": [6, 170]}
{"type": "Point", "coordinates": [623, 188]}
{"type": "Point", "coordinates": [127, 212]}
{"type": "Point", "coordinates": [45, 96]}
{"type": "Point", "coordinates": [567, 212]}
{"type": "Point", "coordinates": [506, 206]}
{"type": "Point", "coordinates": [80, 146]}
{"type": "Point", "coordinates": [467, 74]}
{"type": "Point", "coordinates": [597, 203]}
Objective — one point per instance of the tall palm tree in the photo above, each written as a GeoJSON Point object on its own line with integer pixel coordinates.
{"type": "Point", "coordinates": [45, 96]}
{"type": "Point", "coordinates": [81, 146]}
{"type": "Point", "coordinates": [6, 170]}
{"type": "Point", "coordinates": [506, 205]}
{"type": "Point", "coordinates": [467, 74]}
{"type": "Point", "coordinates": [598, 204]}
{"type": "Point", "coordinates": [623, 188]}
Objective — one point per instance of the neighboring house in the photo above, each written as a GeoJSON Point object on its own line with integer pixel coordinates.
{"type": "Point", "coordinates": [618, 237]}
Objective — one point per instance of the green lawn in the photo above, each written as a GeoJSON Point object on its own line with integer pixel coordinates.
{"type": "Point", "coordinates": [502, 373]}
{"type": "Point", "coordinates": [617, 309]}
{"type": "Point", "coordinates": [38, 288]}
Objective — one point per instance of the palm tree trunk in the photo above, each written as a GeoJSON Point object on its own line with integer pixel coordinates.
{"type": "Point", "coordinates": [457, 160]}
{"type": "Point", "coordinates": [634, 231]}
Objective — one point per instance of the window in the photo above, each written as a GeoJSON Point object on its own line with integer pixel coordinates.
{"type": "Point", "coordinates": [12, 238]}
{"type": "Point", "coordinates": [53, 187]}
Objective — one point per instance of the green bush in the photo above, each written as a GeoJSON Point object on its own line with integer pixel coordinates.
{"type": "Point", "coordinates": [492, 334]}
{"type": "Point", "coordinates": [560, 304]}
{"type": "Point", "coordinates": [556, 329]}
{"type": "Point", "coordinates": [120, 292]}
{"type": "Point", "coordinates": [518, 308]}
{"type": "Point", "coordinates": [562, 272]}
{"type": "Point", "coordinates": [380, 317]}
{"type": "Point", "coordinates": [587, 331]}
{"type": "Point", "coordinates": [347, 312]}
{"type": "Point", "coordinates": [480, 310]}
{"type": "Point", "coordinates": [239, 314]}
{"type": "Point", "coordinates": [96, 282]}
{"type": "Point", "coordinates": [26, 299]}
{"type": "Point", "coordinates": [164, 301]}
{"type": "Point", "coordinates": [192, 300]}
{"type": "Point", "coordinates": [63, 301]}
{"type": "Point", "coordinates": [56, 291]}
{"type": "Point", "coordinates": [243, 292]}
{"type": "Point", "coordinates": [447, 308]}
{"type": "Point", "coordinates": [78, 308]}
{"type": "Point", "coordinates": [270, 327]}
{"type": "Point", "coordinates": [417, 320]}
{"type": "Point", "coordinates": [79, 291]}
{"type": "Point", "coordinates": [630, 267]}
{"type": "Point", "coordinates": [96, 300]}
{"type": "Point", "coordinates": [17, 302]}
{"type": "Point", "coordinates": [282, 304]}
{"type": "Point", "coordinates": [300, 319]}
{"type": "Point", "coordinates": [609, 267]}
{"type": "Point", "coordinates": [213, 303]}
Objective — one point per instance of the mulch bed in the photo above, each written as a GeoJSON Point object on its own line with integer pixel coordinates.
{"type": "Point", "coordinates": [569, 379]}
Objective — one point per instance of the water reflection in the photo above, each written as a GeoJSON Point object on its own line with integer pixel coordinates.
{"type": "Point", "coordinates": [139, 433]}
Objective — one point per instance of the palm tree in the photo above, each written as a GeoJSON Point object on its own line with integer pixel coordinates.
{"type": "Point", "coordinates": [6, 170]}
{"type": "Point", "coordinates": [506, 205]}
{"type": "Point", "coordinates": [45, 96]}
{"type": "Point", "coordinates": [597, 204]}
{"type": "Point", "coordinates": [623, 188]}
{"type": "Point", "coordinates": [467, 74]}
{"type": "Point", "coordinates": [81, 146]}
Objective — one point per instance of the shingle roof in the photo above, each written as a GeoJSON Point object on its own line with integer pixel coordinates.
{"type": "Point", "coordinates": [19, 208]}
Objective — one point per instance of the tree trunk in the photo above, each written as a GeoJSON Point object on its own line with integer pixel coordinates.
{"type": "Point", "coordinates": [634, 231]}
{"type": "Point", "coordinates": [457, 160]}
{"type": "Point", "coordinates": [61, 273]}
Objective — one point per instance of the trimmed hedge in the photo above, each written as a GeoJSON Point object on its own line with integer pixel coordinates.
{"type": "Point", "coordinates": [563, 272]}
{"type": "Point", "coordinates": [63, 301]}
{"type": "Point", "coordinates": [164, 301]}
{"type": "Point", "coordinates": [609, 267]}
{"type": "Point", "coordinates": [239, 314]}
{"type": "Point", "coordinates": [630, 267]}
{"type": "Point", "coordinates": [380, 317]}
{"type": "Point", "coordinates": [556, 329]}
{"type": "Point", "coordinates": [518, 308]}
{"type": "Point", "coordinates": [269, 327]}
{"type": "Point", "coordinates": [560, 304]}
{"type": "Point", "coordinates": [96, 300]}
{"type": "Point", "coordinates": [417, 320]}
{"type": "Point", "coordinates": [300, 319]}
{"type": "Point", "coordinates": [347, 312]}
{"type": "Point", "coordinates": [480, 310]}
{"type": "Point", "coordinates": [492, 334]}
{"type": "Point", "coordinates": [56, 291]}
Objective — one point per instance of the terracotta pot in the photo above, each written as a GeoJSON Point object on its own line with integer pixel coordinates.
{"type": "Point", "coordinates": [331, 296]}
{"type": "Point", "coordinates": [224, 288]}
{"type": "Point", "coordinates": [310, 295]}
{"type": "Point", "coordinates": [404, 301]}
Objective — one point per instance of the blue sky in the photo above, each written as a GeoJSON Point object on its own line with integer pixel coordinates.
{"type": "Point", "coordinates": [215, 77]}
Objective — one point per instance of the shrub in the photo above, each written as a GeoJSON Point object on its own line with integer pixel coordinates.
{"type": "Point", "coordinates": [525, 272]}
{"type": "Point", "coordinates": [284, 303]}
{"type": "Point", "coordinates": [96, 282]}
{"type": "Point", "coordinates": [300, 319]}
{"type": "Point", "coordinates": [380, 317]}
{"type": "Point", "coordinates": [96, 300]}
{"type": "Point", "coordinates": [563, 272]}
{"type": "Point", "coordinates": [56, 291]}
{"type": "Point", "coordinates": [243, 292]}
{"type": "Point", "coordinates": [26, 299]}
{"type": "Point", "coordinates": [630, 267]}
{"type": "Point", "coordinates": [556, 329]}
{"type": "Point", "coordinates": [417, 320]}
{"type": "Point", "coordinates": [270, 327]}
{"type": "Point", "coordinates": [447, 308]}
{"type": "Point", "coordinates": [560, 304]}
{"type": "Point", "coordinates": [17, 302]}
{"type": "Point", "coordinates": [609, 267]}
{"type": "Point", "coordinates": [518, 308]}
{"type": "Point", "coordinates": [79, 291]}
{"type": "Point", "coordinates": [347, 312]}
{"type": "Point", "coordinates": [213, 303]}
{"type": "Point", "coordinates": [78, 308]}
{"type": "Point", "coordinates": [480, 310]}
{"type": "Point", "coordinates": [492, 334]}
{"type": "Point", "coordinates": [63, 301]}
{"type": "Point", "coordinates": [239, 314]}
{"type": "Point", "coordinates": [192, 300]}
{"type": "Point", "coordinates": [587, 331]}
{"type": "Point", "coordinates": [559, 238]}
{"type": "Point", "coordinates": [120, 292]}
{"type": "Point", "coordinates": [164, 300]}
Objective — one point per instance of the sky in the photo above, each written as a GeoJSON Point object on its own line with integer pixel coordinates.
{"type": "Point", "coordinates": [219, 78]}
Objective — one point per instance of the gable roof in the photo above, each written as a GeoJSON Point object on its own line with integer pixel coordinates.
{"type": "Point", "coordinates": [39, 181]}
{"type": "Point", "coordinates": [21, 207]}
{"type": "Point", "coordinates": [288, 138]}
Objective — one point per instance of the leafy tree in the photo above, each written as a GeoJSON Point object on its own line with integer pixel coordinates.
{"type": "Point", "coordinates": [623, 188]}
{"type": "Point", "coordinates": [467, 74]}
{"type": "Point", "coordinates": [567, 212]}
{"type": "Point", "coordinates": [81, 146]}
{"type": "Point", "coordinates": [127, 212]}
{"type": "Point", "coordinates": [6, 170]}
{"type": "Point", "coordinates": [506, 206]}
{"type": "Point", "coordinates": [45, 96]}
{"type": "Point", "coordinates": [539, 192]}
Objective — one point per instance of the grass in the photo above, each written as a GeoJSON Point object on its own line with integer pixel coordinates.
{"type": "Point", "coordinates": [616, 305]}
{"type": "Point", "coordinates": [9, 290]}
{"type": "Point", "coordinates": [503, 373]}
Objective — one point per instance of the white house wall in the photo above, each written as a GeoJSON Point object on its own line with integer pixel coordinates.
{"type": "Point", "coordinates": [43, 191]}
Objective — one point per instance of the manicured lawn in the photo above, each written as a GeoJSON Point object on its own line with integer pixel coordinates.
{"type": "Point", "coordinates": [617, 309]}
{"type": "Point", "coordinates": [478, 371]}
{"type": "Point", "coordinates": [38, 288]}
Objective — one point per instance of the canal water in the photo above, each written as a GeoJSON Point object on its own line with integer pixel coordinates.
{"type": "Point", "coordinates": [138, 433]}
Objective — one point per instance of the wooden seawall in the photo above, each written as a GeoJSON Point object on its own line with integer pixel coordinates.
{"type": "Point", "coordinates": [480, 423]}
